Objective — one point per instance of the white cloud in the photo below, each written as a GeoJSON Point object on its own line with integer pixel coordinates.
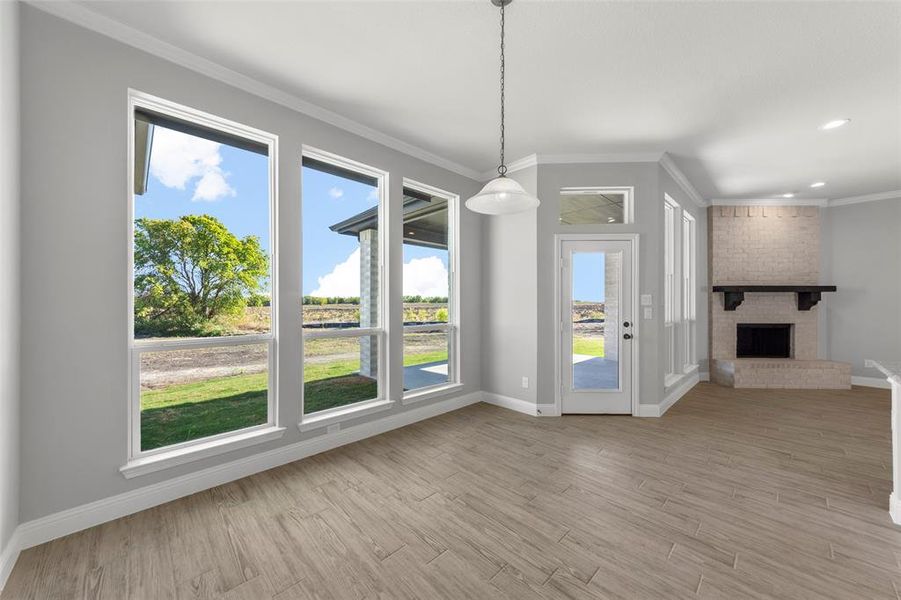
{"type": "Point", "coordinates": [178, 158]}
{"type": "Point", "coordinates": [335, 192]}
{"type": "Point", "coordinates": [425, 277]}
{"type": "Point", "coordinates": [212, 186]}
{"type": "Point", "coordinates": [344, 280]}
{"type": "Point", "coordinates": [422, 277]}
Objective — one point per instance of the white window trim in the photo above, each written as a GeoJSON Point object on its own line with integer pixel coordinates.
{"type": "Point", "coordinates": [381, 402]}
{"type": "Point", "coordinates": [452, 327]}
{"type": "Point", "coordinates": [672, 316]}
{"type": "Point", "coordinates": [628, 193]}
{"type": "Point", "coordinates": [139, 462]}
{"type": "Point", "coordinates": [689, 292]}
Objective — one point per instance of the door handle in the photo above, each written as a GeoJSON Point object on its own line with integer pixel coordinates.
{"type": "Point", "coordinates": [627, 336]}
{"type": "Point", "coordinates": [627, 324]}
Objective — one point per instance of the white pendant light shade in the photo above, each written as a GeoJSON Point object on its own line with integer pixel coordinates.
{"type": "Point", "coordinates": [501, 196]}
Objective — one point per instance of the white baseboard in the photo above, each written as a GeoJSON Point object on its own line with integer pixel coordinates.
{"type": "Point", "coordinates": [678, 390]}
{"type": "Point", "coordinates": [75, 519]}
{"type": "Point", "coordinates": [8, 557]}
{"type": "Point", "coordinates": [894, 509]}
{"type": "Point", "coordinates": [875, 382]}
{"type": "Point", "coordinates": [523, 406]}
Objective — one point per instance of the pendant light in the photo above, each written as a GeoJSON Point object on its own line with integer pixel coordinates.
{"type": "Point", "coordinates": [501, 195]}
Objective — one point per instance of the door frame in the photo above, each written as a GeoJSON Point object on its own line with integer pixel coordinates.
{"type": "Point", "coordinates": [559, 238]}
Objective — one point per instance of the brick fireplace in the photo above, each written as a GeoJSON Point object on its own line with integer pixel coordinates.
{"type": "Point", "coordinates": [767, 246]}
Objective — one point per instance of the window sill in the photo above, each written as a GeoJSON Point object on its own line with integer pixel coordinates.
{"type": "Point", "coordinates": [165, 460]}
{"type": "Point", "coordinates": [345, 413]}
{"type": "Point", "coordinates": [430, 392]}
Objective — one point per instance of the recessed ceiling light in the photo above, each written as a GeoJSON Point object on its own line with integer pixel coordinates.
{"type": "Point", "coordinates": [788, 195]}
{"type": "Point", "coordinates": [818, 184]}
{"type": "Point", "coordinates": [610, 219]}
{"type": "Point", "coordinates": [834, 124]}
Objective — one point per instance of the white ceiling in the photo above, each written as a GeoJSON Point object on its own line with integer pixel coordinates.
{"type": "Point", "coordinates": [735, 92]}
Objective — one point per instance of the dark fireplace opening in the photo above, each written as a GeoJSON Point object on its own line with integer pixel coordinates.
{"type": "Point", "coordinates": [764, 340]}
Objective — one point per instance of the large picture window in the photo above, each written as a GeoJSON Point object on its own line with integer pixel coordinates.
{"type": "Point", "coordinates": [343, 266]}
{"type": "Point", "coordinates": [202, 300]}
{"type": "Point", "coordinates": [429, 288]}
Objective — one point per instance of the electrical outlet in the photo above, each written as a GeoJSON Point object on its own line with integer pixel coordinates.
{"type": "Point", "coordinates": [525, 382]}
{"type": "Point", "coordinates": [869, 363]}
{"type": "Point", "coordinates": [334, 428]}
{"type": "Point", "coordinates": [647, 300]}
{"type": "Point", "coordinates": [648, 313]}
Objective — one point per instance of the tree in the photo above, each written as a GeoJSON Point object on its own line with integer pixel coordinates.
{"type": "Point", "coordinates": [191, 271]}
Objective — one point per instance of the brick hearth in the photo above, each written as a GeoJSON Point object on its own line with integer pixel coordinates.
{"type": "Point", "coordinates": [767, 245]}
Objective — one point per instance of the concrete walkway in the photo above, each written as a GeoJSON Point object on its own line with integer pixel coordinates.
{"type": "Point", "coordinates": [593, 373]}
{"type": "Point", "coordinates": [425, 375]}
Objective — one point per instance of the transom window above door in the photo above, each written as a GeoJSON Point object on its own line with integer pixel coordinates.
{"type": "Point", "coordinates": [596, 205]}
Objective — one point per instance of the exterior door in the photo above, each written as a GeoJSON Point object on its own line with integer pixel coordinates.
{"type": "Point", "coordinates": [596, 327]}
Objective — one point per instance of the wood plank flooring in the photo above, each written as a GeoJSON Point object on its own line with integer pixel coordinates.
{"type": "Point", "coordinates": [732, 494]}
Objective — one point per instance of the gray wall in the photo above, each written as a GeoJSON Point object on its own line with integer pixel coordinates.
{"type": "Point", "coordinates": [509, 281]}
{"type": "Point", "coordinates": [74, 350]}
{"type": "Point", "coordinates": [648, 223]}
{"type": "Point", "coordinates": [9, 270]}
{"type": "Point", "coordinates": [861, 246]}
{"type": "Point", "coordinates": [519, 276]}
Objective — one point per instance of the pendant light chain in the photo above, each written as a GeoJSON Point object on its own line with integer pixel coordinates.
{"type": "Point", "coordinates": [502, 168]}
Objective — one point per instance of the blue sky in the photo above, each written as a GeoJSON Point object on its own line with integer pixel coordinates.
{"type": "Point", "coordinates": [588, 276]}
{"type": "Point", "coordinates": [191, 175]}
{"type": "Point", "coordinates": [331, 261]}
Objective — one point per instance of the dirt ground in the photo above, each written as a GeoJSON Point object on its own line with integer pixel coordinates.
{"type": "Point", "coordinates": [162, 369]}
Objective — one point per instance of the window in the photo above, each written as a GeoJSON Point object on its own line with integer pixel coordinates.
{"type": "Point", "coordinates": [670, 283]}
{"type": "Point", "coordinates": [689, 293]}
{"type": "Point", "coordinates": [343, 264]}
{"type": "Point", "coordinates": [595, 205]}
{"type": "Point", "coordinates": [429, 290]}
{"type": "Point", "coordinates": [202, 307]}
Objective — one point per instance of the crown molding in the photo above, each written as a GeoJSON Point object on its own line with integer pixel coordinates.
{"type": "Point", "coordinates": [517, 165]}
{"type": "Point", "coordinates": [89, 19]}
{"type": "Point", "coordinates": [865, 198]}
{"type": "Point", "coordinates": [822, 202]}
{"type": "Point", "coordinates": [569, 159]}
{"type": "Point", "coordinates": [666, 161]}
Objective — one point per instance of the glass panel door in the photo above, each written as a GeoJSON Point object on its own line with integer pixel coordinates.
{"type": "Point", "coordinates": [596, 326]}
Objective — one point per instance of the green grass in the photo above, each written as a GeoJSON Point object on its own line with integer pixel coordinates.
{"type": "Point", "coordinates": [593, 346]}
{"type": "Point", "coordinates": [189, 411]}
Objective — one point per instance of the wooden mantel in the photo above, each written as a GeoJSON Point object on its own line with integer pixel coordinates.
{"type": "Point", "coordinates": [808, 295]}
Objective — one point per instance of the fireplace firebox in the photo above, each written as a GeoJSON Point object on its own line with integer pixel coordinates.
{"type": "Point", "coordinates": [764, 340]}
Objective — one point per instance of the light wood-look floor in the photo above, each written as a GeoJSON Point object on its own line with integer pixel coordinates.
{"type": "Point", "coordinates": [732, 494]}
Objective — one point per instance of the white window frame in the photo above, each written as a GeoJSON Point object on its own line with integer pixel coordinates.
{"type": "Point", "coordinates": [689, 292]}
{"type": "Point", "coordinates": [141, 462]}
{"type": "Point", "coordinates": [628, 193]}
{"type": "Point", "coordinates": [452, 327]}
{"type": "Point", "coordinates": [381, 402]}
{"type": "Point", "coordinates": [671, 281]}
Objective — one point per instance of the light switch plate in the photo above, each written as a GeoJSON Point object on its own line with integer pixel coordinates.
{"type": "Point", "coordinates": [647, 300]}
{"type": "Point", "coordinates": [525, 382]}
{"type": "Point", "coordinates": [648, 313]}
